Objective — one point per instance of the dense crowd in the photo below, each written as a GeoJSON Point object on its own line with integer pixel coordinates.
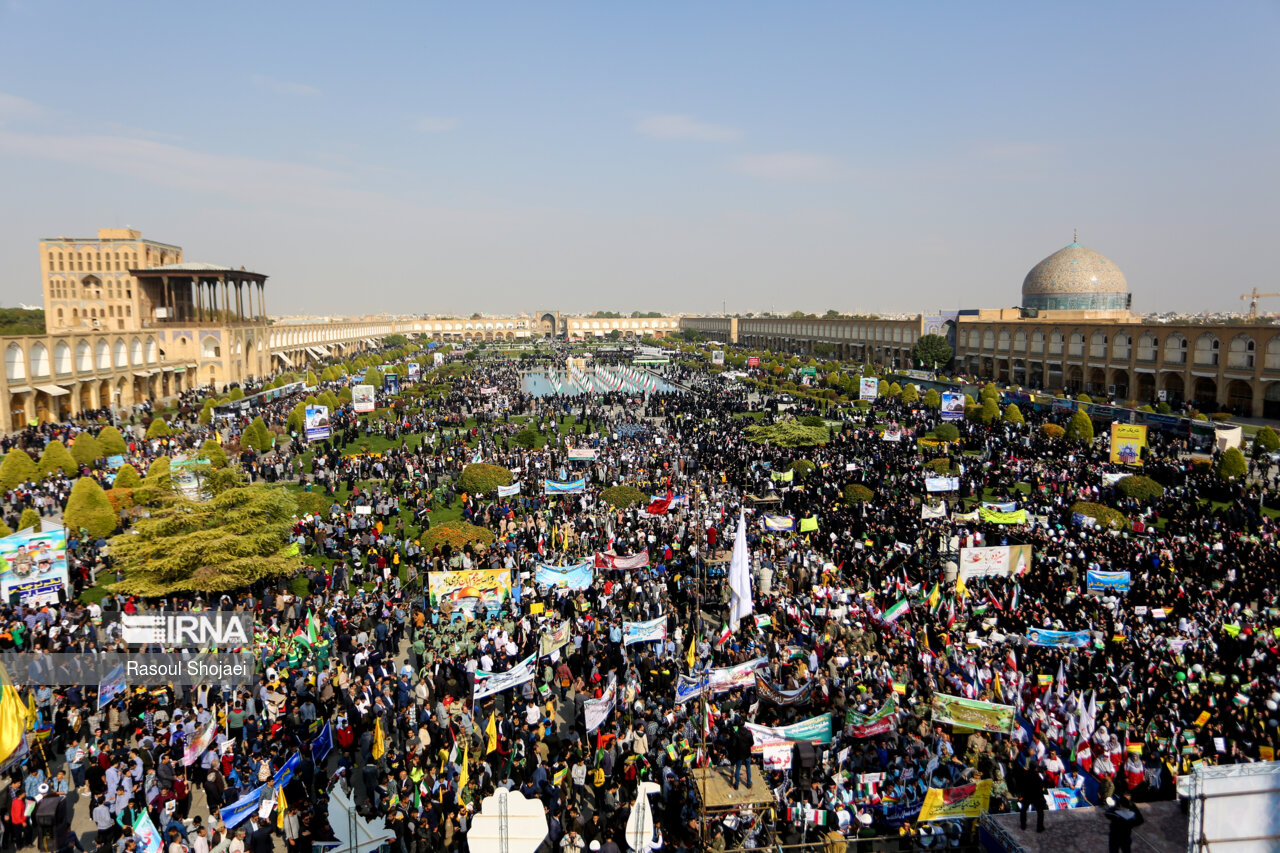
{"type": "Point", "coordinates": [857, 614]}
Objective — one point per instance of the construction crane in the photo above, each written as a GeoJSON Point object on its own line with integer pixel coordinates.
{"type": "Point", "coordinates": [1253, 301]}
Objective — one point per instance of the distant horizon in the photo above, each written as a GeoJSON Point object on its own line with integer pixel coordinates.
{"type": "Point", "coordinates": [432, 159]}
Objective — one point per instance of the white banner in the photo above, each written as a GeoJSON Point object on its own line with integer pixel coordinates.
{"type": "Point", "coordinates": [939, 511]}
{"type": "Point", "coordinates": [596, 711]}
{"type": "Point", "coordinates": [941, 484]}
{"type": "Point", "coordinates": [777, 757]}
{"type": "Point", "coordinates": [644, 632]}
{"type": "Point", "coordinates": [1003, 560]}
{"type": "Point", "coordinates": [489, 683]}
{"type": "Point", "coordinates": [509, 491]}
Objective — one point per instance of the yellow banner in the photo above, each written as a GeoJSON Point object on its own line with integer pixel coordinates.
{"type": "Point", "coordinates": [965, 801]}
{"type": "Point", "coordinates": [1127, 441]}
{"type": "Point", "coordinates": [991, 516]}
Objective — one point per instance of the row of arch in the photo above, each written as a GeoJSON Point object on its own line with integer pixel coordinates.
{"type": "Point", "coordinates": [1176, 348]}
{"type": "Point", "coordinates": [286, 336]}
{"type": "Point", "coordinates": [832, 331]}
{"type": "Point", "coordinates": [37, 361]}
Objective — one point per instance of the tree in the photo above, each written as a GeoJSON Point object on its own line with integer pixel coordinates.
{"type": "Point", "coordinates": [932, 399]}
{"type": "Point", "coordinates": [529, 438]}
{"type": "Point", "coordinates": [113, 443]}
{"type": "Point", "coordinates": [89, 508]}
{"type": "Point", "coordinates": [932, 352]}
{"type": "Point", "coordinates": [373, 376]}
{"type": "Point", "coordinates": [989, 392]}
{"type": "Point", "coordinates": [1266, 441]}
{"type": "Point", "coordinates": [1013, 415]}
{"type": "Point", "coordinates": [947, 432]}
{"type": "Point", "coordinates": [158, 428]}
{"type": "Point", "coordinates": [1084, 398]}
{"type": "Point", "coordinates": [910, 394]}
{"type": "Point", "coordinates": [236, 538]}
{"type": "Point", "coordinates": [57, 458]}
{"type": "Point", "coordinates": [30, 519]}
{"type": "Point", "coordinates": [257, 436]}
{"type": "Point", "coordinates": [17, 468]}
{"type": "Point", "coordinates": [86, 449]}
{"type": "Point", "coordinates": [788, 434]}
{"type": "Point", "coordinates": [236, 393]}
{"type": "Point", "coordinates": [883, 389]}
{"type": "Point", "coordinates": [990, 410]}
{"type": "Point", "coordinates": [1080, 428]}
{"type": "Point", "coordinates": [479, 478]}
{"type": "Point", "coordinates": [1231, 466]}
{"type": "Point", "coordinates": [206, 414]}
{"type": "Point", "coordinates": [614, 334]}
{"type": "Point", "coordinates": [212, 451]}
{"type": "Point", "coordinates": [126, 478]}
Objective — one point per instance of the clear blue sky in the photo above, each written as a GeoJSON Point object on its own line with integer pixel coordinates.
{"type": "Point", "coordinates": [650, 156]}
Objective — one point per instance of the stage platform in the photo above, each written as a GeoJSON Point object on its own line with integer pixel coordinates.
{"type": "Point", "coordinates": [715, 786]}
{"type": "Point", "coordinates": [1084, 831]}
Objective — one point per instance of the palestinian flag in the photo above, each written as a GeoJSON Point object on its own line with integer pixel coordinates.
{"type": "Point", "coordinates": [895, 612]}
{"type": "Point", "coordinates": [1240, 699]}
{"type": "Point", "coordinates": [764, 621]}
{"type": "Point", "coordinates": [935, 600]}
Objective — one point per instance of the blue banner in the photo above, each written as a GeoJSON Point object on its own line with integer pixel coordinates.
{"type": "Point", "coordinates": [644, 632]}
{"type": "Point", "coordinates": [897, 814]}
{"type": "Point", "coordinates": [285, 774]}
{"type": "Point", "coordinates": [1004, 506]}
{"type": "Point", "coordinates": [1057, 639]}
{"type": "Point", "coordinates": [779, 523]}
{"type": "Point", "coordinates": [1118, 581]}
{"type": "Point", "coordinates": [551, 487]}
{"type": "Point", "coordinates": [322, 746]}
{"type": "Point", "coordinates": [565, 577]}
{"type": "Point", "coordinates": [688, 688]}
{"type": "Point", "coordinates": [239, 811]}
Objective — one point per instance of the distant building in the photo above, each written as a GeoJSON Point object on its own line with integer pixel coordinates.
{"type": "Point", "coordinates": [87, 281]}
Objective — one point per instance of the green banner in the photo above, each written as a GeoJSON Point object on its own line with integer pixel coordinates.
{"type": "Point", "coordinates": [959, 711]}
{"type": "Point", "coordinates": [992, 517]}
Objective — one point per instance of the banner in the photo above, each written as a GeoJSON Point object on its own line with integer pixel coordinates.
{"type": "Point", "coordinates": [239, 811]}
{"type": "Point", "coordinates": [644, 632]}
{"type": "Point", "coordinates": [777, 757]}
{"type": "Point", "coordinates": [891, 435]}
{"type": "Point", "coordinates": [942, 484]}
{"type": "Point", "coordinates": [815, 730]}
{"type": "Point", "coordinates": [947, 803]}
{"type": "Point", "coordinates": [564, 577]}
{"type": "Point", "coordinates": [991, 516]}
{"type": "Point", "coordinates": [782, 476]}
{"type": "Point", "coordinates": [200, 743]}
{"type": "Point", "coordinates": [1061, 799]}
{"type": "Point", "coordinates": [415, 371]}
{"type": "Point", "coordinates": [613, 561]}
{"type": "Point", "coordinates": [316, 423]}
{"type": "Point", "coordinates": [1006, 506]}
{"type": "Point", "coordinates": [868, 388]}
{"type": "Point", "coordinates": [1127, 442]}
{"type": "Point", "coordinates": [509, 491]}
{"type": "Point", "coordinates": [571, 487]}
{"type": "Point", "coordinates": [489, 683]}
{"type": "Point", "coordinates": [1112, 479]}
{"type": "Point", "coordinates": [556, 638]}
{"type": "Point", "coordinates": [391, 384]}
{"type": "Point", "coordinates": [959, 711]}
{"type": "Point", "coordinates": [952, 406]}
{"type": "Point", "coordinates": [779, 523]}
{"type": "Point", "coordinates": [33, 565]}
{"type": "Point", "coordinates": [489, 390]}
{"type": "Point", "coordinates": [688, 687]}
{"type": "Point", "coordinates": [860, 726]}
{"type": "Point", "coordinates": [997, 560]}
{"type": "Point", "coordinates": [437, 359]}
{"type": "Point", "coordinates": [472, 592]}
{"type": "Point", "coordinates": [720, 680]}
{"type": "Point", "coordinates": [717, 356]}
{"type": "Point", "coordinates": [809, 525]}
{"type": "Point", "coordinates": [1057, 639]}
{"type": "Point", "coordinates": [148, 837]}
{"type": "Point", "coordinates": [927, 511]}
{"type": "Point", "coordinates": [112, 686]}
{"type": "Point", "coordinates": [1099, 581]}
{"type": "Point", "coordinates": [770, 692]}
{"type": "Point", "coordinates": [596, 711]}
{"type": "Point", "coordinates": [753, 361]}
{"type": "Point", "coordinates": [581, 454]}
{"type": "Point", "coordinates": [362, 398]}
{"type": "Point", "coordinates": [322, 746]}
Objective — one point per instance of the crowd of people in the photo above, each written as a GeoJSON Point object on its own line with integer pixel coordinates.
{"type": "Point", "coordinates": [826, 695]}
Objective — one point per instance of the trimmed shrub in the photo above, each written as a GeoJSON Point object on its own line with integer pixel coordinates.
{"type": "Point", "coordinates": [29, 519]}
{"type": "Point", "coordinates": [90, 508]}
{"type": "Point", "coordinates": [1266, 441]}
{"type": "Point", "coordinates": [212, 451]}
{"type": "Point", "coordinates": [483, 479]}
{"type": "Point", "coordinates": [85, 449]}
{"type": "Point", "coordinates": [56, 458]}
{"type": "Point", "coordinates": [947, 432]}
{"type": "Point", "coordinates": [1053, 432]}
{"type": "Point", "coordinates": [16, 468]}
{"type": "Point", "coordinates": [1080, 428]}
{"type": "Point", "coordinates": [529, 438]}
{"type": "Point", "coordinates": [856, 493]}
{"type": "Point", "coordinates": [236, 393]}
{"type": "Point", "coordinates": [1105, 516]}
{"type": "Point", "coordinates": [882, 390]}
{"type": "Point", "coordinates": [973, 414]}
{"type": "Point", "coordinates": [1013, 415]}
{"type": "Point", "coordinates": [623, 497]}
{"type": "Point", "coordinates": [802, 468]}
{"type": "Point", "coordinates": [158, 428]}
{"type": "Point", "coordinates": [373, 377]}
{"type": "Point", "coordinates": [910, 394]}
{"type": "Point", "coordinates": [5, 530]}
{"type": "Point", "coordinates": [112, 442]}
{"type": "Point", "coordinates": [866, 404]}
{"type": "Point", "coordinates": [989, 392]}
{"type": "Point", "coordinates": [1200, 416]}
{"type": "Point", "coordinates": [932, 399]}
{"type": "Point", "coordinates": [943, 466]}
{"type": "Point", "coordinates": [126, 478]}
{"type": "Point", "coordinates": [1231, 465]}
{"type": "Point", "coordinates": [458, 534]}
{"type": "Point", "coordinates": [1139, 488]}
{"type": "Point", "coordinates": [990, 411]}
{"type": "Point", "coordinates": [813, 420]}
{"type": "Point", "coordinates": [206, 414]}
{"type": "Point", "coordinates": [1084, 398]}
{"type": "Point", "coordinates": [1221, 417]}
{"type": "Point", "coordinates": [1164, 408]}
{"type": "Point", "coordinates": [1147, 409]}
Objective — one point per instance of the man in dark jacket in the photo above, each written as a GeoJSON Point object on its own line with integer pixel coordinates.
{"type": "Point", "coordinates": [1031, 790]}
{"type": "Point", "coordinates": [740, 753]}
{"type": "Point", "coordinates": [1124, 818]}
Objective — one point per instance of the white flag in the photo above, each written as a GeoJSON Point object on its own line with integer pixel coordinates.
{"type": "Point", "coordinates": [740, 577]}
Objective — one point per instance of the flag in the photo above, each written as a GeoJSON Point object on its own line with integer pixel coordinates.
{"type": "Point", "coordinates": [809, 525]}
{"type": "Point", "coordinates": [725, 634]}
{"type": "Point", "coordinates": [491, 731]}
{"type": "Point", "coordinates": [379, 740]}
{"type": "Point", "coordinates": [13, 720]}
{"type": "Point", "coordinates": [1013, 603]}
{"type": "Point", "coordinates": [740, 577]}
{"type": "Point", "coordinates": [322, 746]}
{"type": "Point", "coordinates": [281, 805]}
{"type": "Point", "coordinates": [147, 834]}
{"type": "Point", "coordinates": [894, 613]}
{"type": "Point", "coordinates": [935, 600]}
{"type": "Point", "coordinates": [899, 687]}
{"type": "Point", "coordinates": [951, 612]}
{"type": "Point", "coordinates": [764, 622]}
{"type": "Point", "coordinates": [287, 770]}
{"type": "Point", "coordinates": [661, 505]}
{"type": "Point", "coordinates": [961, 589]}
{"type": "Point", "coordinates": [33, 715]}
{"type": "Point", "coordinates": [197, 747]}
{"type": "Point", "coordinates": [464, 778]}
{"type": "Point", "coordinates": [239, 811]}
{"type": "Point", "coordinates": [692, 657]}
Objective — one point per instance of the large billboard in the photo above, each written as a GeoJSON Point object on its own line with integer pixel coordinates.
{"type": "Point", "coordinates": [474, 591]}
{"type": "Point", "coordinates": [1127, 441]}
{"type": "Point", "coordinates": [362, 398]}
{"type": "Point", "coordinates": [868, 388]}
{"type": "Point", "coordinates": [34, 565]}
{"type": "Point", "coordinates": [316, 423]}
{"type": "Point", "coordinates": [952, 406]}
{"type": "Point", "coordinates": [1002, 560]}
{"type": "Point", "coordinates": [717, 356]}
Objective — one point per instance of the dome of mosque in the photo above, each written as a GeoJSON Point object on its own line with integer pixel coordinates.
{"type": "Point", "coordinates": [1075, 278]}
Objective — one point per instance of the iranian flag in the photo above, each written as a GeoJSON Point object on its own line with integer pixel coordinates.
{"type": "Point", "coordinates": [895, 612]}
{"type": "Point", "coordinates": [725, 634]}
